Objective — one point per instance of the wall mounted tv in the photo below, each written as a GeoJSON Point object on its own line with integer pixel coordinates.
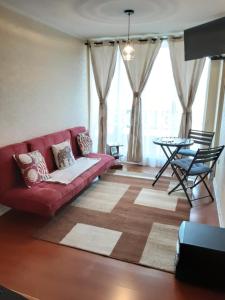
{"type": "Point", "coordinates": [205, 40]}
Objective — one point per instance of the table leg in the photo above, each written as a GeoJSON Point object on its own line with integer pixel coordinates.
{"type": "Point", "coordinates": [167, 163]}
{"type": "Point", "coordinates": [164, 167]}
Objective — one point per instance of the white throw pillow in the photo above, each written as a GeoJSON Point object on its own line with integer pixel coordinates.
{"type": "Point", "coordinates": [33, 167]}
{"type": "Point", "coordinates": [63, 155]}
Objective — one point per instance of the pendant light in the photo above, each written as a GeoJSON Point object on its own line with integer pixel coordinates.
{"type": "Point", "coordinates": [128, 51]}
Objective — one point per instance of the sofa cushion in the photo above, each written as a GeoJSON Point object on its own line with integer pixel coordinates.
{"type": "Point", "coordinates": [9, 172]}
{"type": "Point", "coordinates": [75, 147]}
{"type": "Point", "coordinates": [42, 201]}
{"type": "Point", "coordinates": [44, 143]}
{"type": "Point", "coordinates": [63, 155]}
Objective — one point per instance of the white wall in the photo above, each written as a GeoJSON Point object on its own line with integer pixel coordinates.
{"type": "Point", "coordinates": [219, 181]}
{"type": "Point", "coordinates": [43, 79]}
{"type": "Point", "coordinates": [215, 121]}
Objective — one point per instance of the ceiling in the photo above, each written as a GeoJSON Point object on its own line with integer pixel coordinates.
{"type": "Point", "coordinates": [105, 18]}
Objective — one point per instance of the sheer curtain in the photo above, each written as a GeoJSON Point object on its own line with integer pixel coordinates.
{"type": "Point", "coordinates": [161, 109]}
{"type": "Point", "coordinates": [119, 108]}
{"type": "Point", "coordinates": [187, 75]}
{"type": "Point", "coordinates": [200, 99]}
{"type": "Point", "coordinates": [198, 109]}
{"type": "Point", "coordinates": [119, 103]}
{"type": "Point", "coordinates": [138, 71]}
{"type": "Point", "coordinates": [94, 111]}
{"type": "Point", "coordinates": [103, 58]}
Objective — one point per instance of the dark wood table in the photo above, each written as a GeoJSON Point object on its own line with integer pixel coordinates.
{"type": "Point", "coordinates": [170, 147]}
{"type": "Point", "coordinates": [7, 294]}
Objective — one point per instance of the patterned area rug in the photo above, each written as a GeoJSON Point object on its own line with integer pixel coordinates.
{"type": "Point", "coordinates": [122, 218]}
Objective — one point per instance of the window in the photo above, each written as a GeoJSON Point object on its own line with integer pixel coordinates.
{"type": "Point", "coordinates": [119, 104]}
{"type": "Point", "coordinates": [161, 108]}
{"type": "Point", "coordinates": [198, 108]}
{"type": "Point", "coordinates": [94, 111]}
{"type": "Point", "coordinates": [119, 107]}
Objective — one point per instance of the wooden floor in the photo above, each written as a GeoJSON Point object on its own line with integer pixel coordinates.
{"type": "Point", "coordinates": [52, 272]}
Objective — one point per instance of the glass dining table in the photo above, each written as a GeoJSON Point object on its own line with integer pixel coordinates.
{"type": "Point", "coordinates": [170, 146]}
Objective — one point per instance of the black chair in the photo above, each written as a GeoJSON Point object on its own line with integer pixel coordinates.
{"type": "Point", "coordinates": [197, 167]}
{"type": "Point", "coordinates": [203, 138]}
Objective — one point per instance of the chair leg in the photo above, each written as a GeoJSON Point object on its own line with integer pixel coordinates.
{"type": "Point", "coordinates": [181, 182]}
{"type": "Point", "coordinates": [174, 189]}
{"type": "Point", "coordinates": [195, 179]}
{"type": "Point", "coordinates": [208, 190]}
{"type": "Point", "coordinates": [196, 182]}
{"type": "Point", "coordinates": [177, 157]}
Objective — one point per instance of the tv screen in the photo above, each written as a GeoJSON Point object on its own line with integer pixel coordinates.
{"type": "Point", "coordinates": [205, 40]}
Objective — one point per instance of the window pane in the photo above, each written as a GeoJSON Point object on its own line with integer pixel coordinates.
{"type": "Point", "coordinates": [161, 109]}
{"type": "Point", "coordinates": [119, 103]}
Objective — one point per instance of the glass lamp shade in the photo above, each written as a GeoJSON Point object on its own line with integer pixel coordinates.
{"type": "Point", "coordinates": [128, 52]}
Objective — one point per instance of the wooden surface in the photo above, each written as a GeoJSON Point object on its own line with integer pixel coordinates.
{"type": "Point", "coordinates": [26, 296]}
{"type": "Point", "coordinates": [52, 272]}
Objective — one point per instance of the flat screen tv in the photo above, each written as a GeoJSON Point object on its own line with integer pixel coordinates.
{"type": "Point", "coordinates": [205, 40]}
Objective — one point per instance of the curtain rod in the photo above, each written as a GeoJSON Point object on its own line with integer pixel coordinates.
{"type": "Point", "coordinates": [140, 40]}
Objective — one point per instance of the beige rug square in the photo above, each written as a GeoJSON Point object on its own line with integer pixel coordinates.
{"type": "Point", "coordinates": [101, 196]}
{"type": "Point", "coordinates": [160, 247]}
{"type": "Point", "coordinates": [156, 199]}
{"type": "Point", "coordinates": [92, 238]}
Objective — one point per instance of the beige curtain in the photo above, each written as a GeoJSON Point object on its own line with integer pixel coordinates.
{"type": "Point", "coordinates": [138, 71]}
{"type": "Point", "coordinates": [187, 75]}
{"type": "Point", "coordinates": [103, 58]}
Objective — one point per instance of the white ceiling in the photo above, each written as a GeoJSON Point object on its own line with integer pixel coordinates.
{"type": "Point", "coordinates": [105, 18]}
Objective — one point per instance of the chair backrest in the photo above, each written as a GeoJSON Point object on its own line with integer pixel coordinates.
{"type": "Point", "coordinates": [201, 137]}
{"type": "Point", "coordinates": [207, 155]}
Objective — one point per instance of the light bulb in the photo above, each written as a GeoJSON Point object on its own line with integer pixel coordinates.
{"type": "Point", "coordinates": [128, 52]}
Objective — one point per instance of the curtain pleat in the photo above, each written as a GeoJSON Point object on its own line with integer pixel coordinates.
{"type": "Point", "coordinates": [138, 71]}
{"type": "Point", "coordinates": [187, 75]}
{"type": "Point", "coordinates": [103, 58]}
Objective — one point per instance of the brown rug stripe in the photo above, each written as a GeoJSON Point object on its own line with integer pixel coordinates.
{"type": "Point", "coordinates": [133, 221]}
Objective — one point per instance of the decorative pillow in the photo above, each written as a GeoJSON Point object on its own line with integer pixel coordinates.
{"type": "Point", "coordinates": [63, 155]}
{"type": "Point", "coordinates": [84, 142]}
{"type": "Point", "coordinates": [41, 164]}
{"type": "Point", "coordinates": [28, 169]}
{"type": "Point", "coordinates": [30, 164]}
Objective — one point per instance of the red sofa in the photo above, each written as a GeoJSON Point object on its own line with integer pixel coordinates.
{"type": "Point", "coordinates": [45, 198]}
